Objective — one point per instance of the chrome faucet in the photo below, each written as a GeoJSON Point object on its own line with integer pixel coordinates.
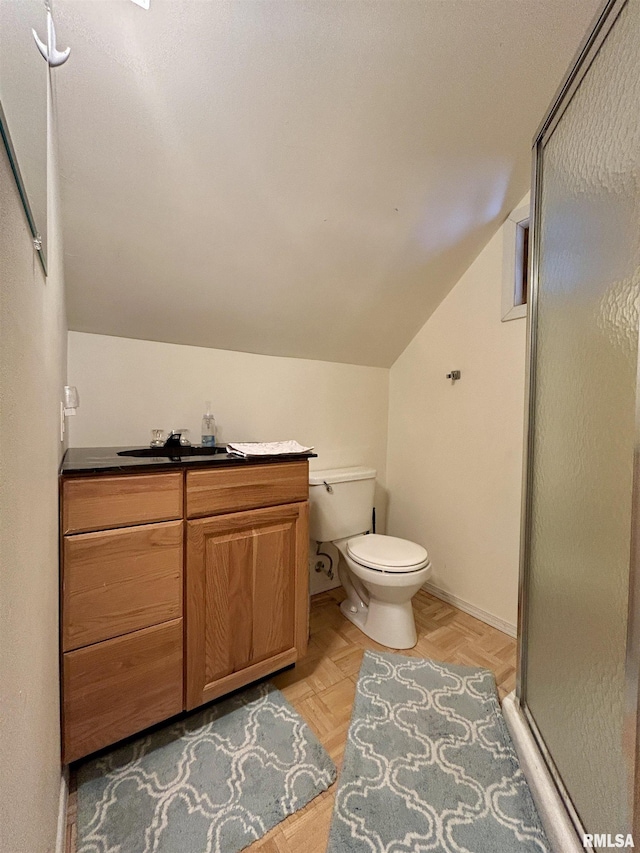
{"type": "Point", "coordinates": [177, 437]}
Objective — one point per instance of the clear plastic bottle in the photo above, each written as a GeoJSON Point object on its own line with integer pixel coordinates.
{"type": "Point", "coordinates": [208, 427]}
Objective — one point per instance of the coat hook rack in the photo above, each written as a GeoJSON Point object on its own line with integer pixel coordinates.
{"type": "Point", "coordinates": [49, 51]}
{"type": "Point", "coordinates": [454, 375]}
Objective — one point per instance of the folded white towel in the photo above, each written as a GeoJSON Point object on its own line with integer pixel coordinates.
{"type": "Point", "coordinates": [266, 448]}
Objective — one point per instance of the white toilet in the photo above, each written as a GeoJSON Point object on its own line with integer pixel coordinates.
{"type": "Point", "coordinates": [382, 573]}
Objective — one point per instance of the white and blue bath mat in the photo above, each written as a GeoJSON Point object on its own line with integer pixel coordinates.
{"type": "Point", "coordinates": [213, 782]}
{"type": "Point", "coordinates": [429, 765]}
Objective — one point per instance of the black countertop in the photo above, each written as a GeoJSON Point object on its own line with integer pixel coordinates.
{"type": "Point", "coordinates": [105, 460]}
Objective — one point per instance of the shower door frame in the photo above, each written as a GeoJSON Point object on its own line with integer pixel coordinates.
{"type": "Point", "coordinates": [585, 55]}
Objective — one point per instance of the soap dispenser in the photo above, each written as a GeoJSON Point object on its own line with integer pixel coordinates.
{"type": "Point", "coordinates": [208, 427]}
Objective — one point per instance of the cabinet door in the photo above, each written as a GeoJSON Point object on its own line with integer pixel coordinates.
{"type": "Point", "coordinates": [246, 597]}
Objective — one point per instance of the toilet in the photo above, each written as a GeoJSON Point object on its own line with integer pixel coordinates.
{"type": "Point", "coordinates": [380, 574]}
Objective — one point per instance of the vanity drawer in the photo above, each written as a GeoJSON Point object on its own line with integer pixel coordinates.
{"type": "Point", "coordinates": [117, 581]}
{"type": "Point", "coordinates": [100, 503]}
{"type": "Point", "coordinates": [246, 487]}
{"type": "Point", "coordinates": [119, 687]}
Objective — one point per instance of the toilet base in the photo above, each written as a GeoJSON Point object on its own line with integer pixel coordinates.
{"type": "Point", "coordinates": [391, 625]}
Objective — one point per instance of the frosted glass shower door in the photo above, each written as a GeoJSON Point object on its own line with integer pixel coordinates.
{"type": "Point", "coordinates": [582, 429]}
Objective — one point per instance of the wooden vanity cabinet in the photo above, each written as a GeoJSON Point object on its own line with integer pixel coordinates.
{"type": "Point", "coordinates": [176, 588]}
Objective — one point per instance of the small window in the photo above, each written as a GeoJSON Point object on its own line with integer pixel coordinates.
{"type": "Point", "coordinates": [522, 263]}
{"type": "Point", "coordinates": [515, 266]}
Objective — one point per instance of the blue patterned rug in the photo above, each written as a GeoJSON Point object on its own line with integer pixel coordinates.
{"type": "Point", "coordinates": [212, 783]}
{"type": "Point", "coordinates": [429, 765]}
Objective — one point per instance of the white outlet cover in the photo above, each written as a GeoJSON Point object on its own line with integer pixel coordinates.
{"type": "Point", "coordinates": [144, 4]}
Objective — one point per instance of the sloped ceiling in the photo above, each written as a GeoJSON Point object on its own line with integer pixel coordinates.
{"type": "Point", "coordinates": [291, 177]}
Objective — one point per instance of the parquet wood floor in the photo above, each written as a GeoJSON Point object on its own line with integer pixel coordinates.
{"type": "Point", "coordinates": [322, 688]}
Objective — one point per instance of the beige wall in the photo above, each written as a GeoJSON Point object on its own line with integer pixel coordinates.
{"type": "Point", "coordinates": [455, 451]}
{"type": "Point", "coordinates": [129, 386]}
{"type": "Point", "coordinates": [32, 369]}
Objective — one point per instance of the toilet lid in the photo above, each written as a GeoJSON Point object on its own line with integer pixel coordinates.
{"type": "Point", "coordinates": [387, 553]}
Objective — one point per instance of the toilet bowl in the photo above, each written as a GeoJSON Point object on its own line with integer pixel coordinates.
{"type": "Point", "coordinates": [380, 574]}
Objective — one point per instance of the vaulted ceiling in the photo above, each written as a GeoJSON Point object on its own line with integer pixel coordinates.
{"type": "Point", "coordinates": [294, 177]}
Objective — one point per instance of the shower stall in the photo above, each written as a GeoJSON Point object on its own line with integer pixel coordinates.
{"type": "Point", "coordinates": [579, 620]}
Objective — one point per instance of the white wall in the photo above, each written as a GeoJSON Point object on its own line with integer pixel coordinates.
{"type": "Point", "coordinates": [32, 370]}
{"type": "Point", "coordinates": [128, 386]}
{"type": "Point", "coordinates": [455, 451]}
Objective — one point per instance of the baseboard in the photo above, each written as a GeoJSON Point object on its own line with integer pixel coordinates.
{"type": "Point", "coordinates": [472, 610]}
{"type": "Point", "coordinates": [61, 834]}
{"type": "Point", "coordinates": [553, 814]}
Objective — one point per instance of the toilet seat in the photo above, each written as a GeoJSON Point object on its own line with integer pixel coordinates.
{"type": "Point", "coordinates": [387, 554]}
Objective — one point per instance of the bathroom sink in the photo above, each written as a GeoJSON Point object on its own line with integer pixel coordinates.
{"type": "Point", "coordinates": [173, 451]}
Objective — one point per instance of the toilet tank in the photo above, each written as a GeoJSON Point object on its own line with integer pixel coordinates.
{"type": "Point", "coordinates": [344, 508]}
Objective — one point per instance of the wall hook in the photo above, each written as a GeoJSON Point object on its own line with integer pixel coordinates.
{"type": "Point", "coordinates": [49, 51]}
{"type": "Point", "coordinates": [454, 375]}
